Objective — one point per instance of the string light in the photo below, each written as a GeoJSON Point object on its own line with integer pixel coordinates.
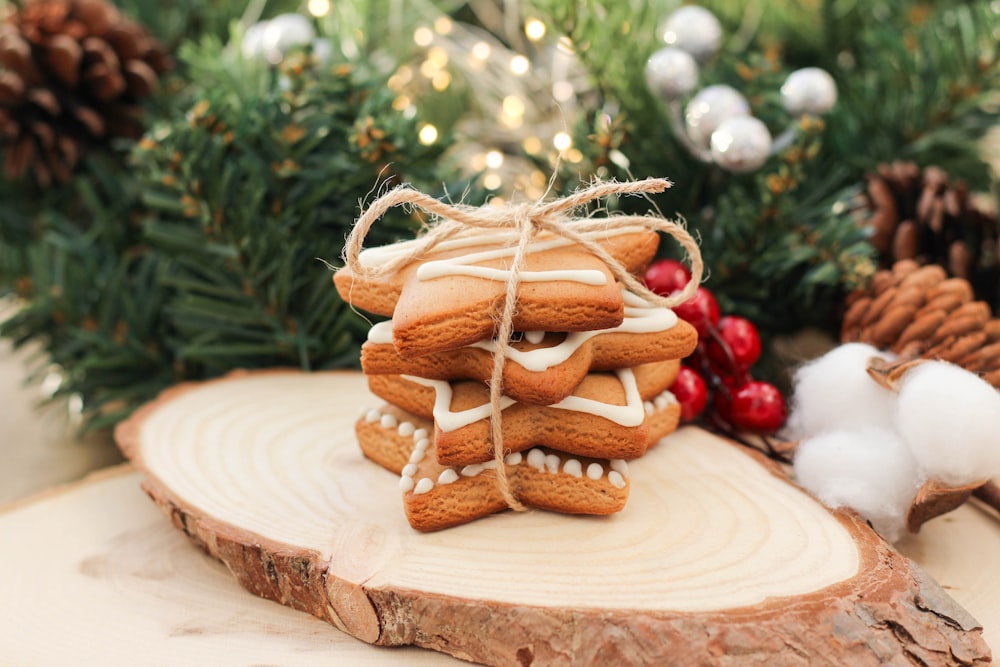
{"type": "Point", "coordinates": [319, 7]}
{"type": "Point", "coordinates": [563, 91]}
{"type": "Point", "coordinates": [401, 103]}
{"type": "Point", "coordinates": [513, 105]}
{"type": "Point", "coordinates": [401, 77]}
{"type": "Point", "coordinates": [494, 159]}
{"type": "Point", "coordinates": [573, 156]}
{"type": "Point", "coordinates": [442, 25]}
{"type": "Point", "coordinates": [438, 56]}
{"type": "Point", "coordinates": [532, 145]}
{"type": "Point", "coordinates": [562, 141]}
{"type": "Point", "coordinates": [428, 134]}
{"type": "Point", "coordinates": [566, 45]}
{"type": "Point", "coordinates": [534, 29]}
{"type": "Point", "coordinates": [492, 181]}
{"type": "Point", "coordinates": [519, 65]}
{"type": "Point", "coordinates": [512, 112]}
{"type": "Point", "coordinates": [481, 51]}
{"type": "Point", "coordinates": [440, 81]}
{"type": "Point", "coordinates": [423, 36]}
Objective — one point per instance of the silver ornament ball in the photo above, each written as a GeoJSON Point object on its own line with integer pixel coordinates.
{"type": "Point", "coordinates": [709, 108]}
{"type": "Point", "coordinates": [322, 49]}
{"type": "Point", "coordinates": [252, 44]}
{"type": "Point", "coordinates": [741, 144]}
{"type": "Point", "coordinates": [284, 32]}
{"type": "Point", "coordinates": [810, 90]}
{"type": "Point", "coordinates": [671, 73]}
{"type": "Point", "coordinates": [695, 30]}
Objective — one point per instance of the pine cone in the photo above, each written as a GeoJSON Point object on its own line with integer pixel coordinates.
{"type": "Point", "coordinates": [924, 217]}
{"type": "Point", "coordinates": [72, 73]}
{"type": "Point", "coordinates": [919, 312]}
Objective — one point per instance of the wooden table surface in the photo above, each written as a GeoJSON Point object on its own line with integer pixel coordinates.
{"type": "Point", "coordinates": [84, 558]}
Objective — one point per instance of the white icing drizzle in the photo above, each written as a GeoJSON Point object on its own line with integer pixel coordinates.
{"type": "Point", "coordinates": [660, 402]}
{"type": "Point", "coordinates": [534, 337]}
{"type": "Point", "coordinates": [448, 476]}
{"type": "Point", "coordinates": [406, 429]}
{"type": "Point", "coordinates": [628, 415]}
{"type": "Point", "coordinates": [640, 318]}
{"type": "Point", "coordinates": [447, 420]}
{"type": "Point", "coordinates": [472, 470]}
{"type": "Point", "coordinates": [388, 421]}
{"type": "Point", "coordinates": [381, 254]}
{"type": "Point", "coordinates": [381, 333]}
{"type": "Point", "coordinates": [535, 458]}
{"type": "Point", "coordinates": [465, 265]}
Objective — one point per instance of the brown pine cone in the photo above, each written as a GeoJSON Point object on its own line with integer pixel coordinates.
{"type": "Point", "coordinates": [72, 74]}
{"type": "Point", "coordinates": [920, 215]}
{"type": "Point", "coordinates": [919, 312]}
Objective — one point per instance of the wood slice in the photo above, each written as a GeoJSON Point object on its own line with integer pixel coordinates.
{"type": "Point", "coordinates": [97, 577]}
{"type": "Point", "coordinates": [717, 557]}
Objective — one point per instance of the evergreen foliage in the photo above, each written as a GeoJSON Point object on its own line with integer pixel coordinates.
{"type": "Point", "coordinates": [201, 248]}
{"type": "Point", "coordinates": [916, 80]}
{"type": "Point", "coordinates": [206, 246]}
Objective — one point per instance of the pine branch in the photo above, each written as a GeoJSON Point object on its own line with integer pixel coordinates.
{"type": "Point", "coordinates": [210, 251]}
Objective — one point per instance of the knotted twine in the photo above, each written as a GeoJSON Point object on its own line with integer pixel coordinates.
{"type": "Point", "coordinates": [528, 220]}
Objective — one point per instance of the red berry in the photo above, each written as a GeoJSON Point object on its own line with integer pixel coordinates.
{"type": "Point", "coordinates": [666, 276]}
{"type": "Point", "coordinates": [740, 336]}
{"type": "Point", "coordinates": [691, 393]}
{"type": "Point", "coordinates": [758, 406]}
{"type": "Point", "coordinates": [701, 311]}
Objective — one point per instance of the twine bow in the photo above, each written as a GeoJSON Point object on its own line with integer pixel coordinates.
{"type": "Point", "coordinates": [528, 220]}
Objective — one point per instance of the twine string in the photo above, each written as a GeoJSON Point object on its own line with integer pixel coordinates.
{"type": "Point", "coordinates": [527, 220]}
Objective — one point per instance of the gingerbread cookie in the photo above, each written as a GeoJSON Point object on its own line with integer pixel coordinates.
{"type": "Point", "coordinates": [604, 417]}
{"type": "Point", "coordinates": [544, 367]}
{"type": "Point", "coordinates": [437, 496]}
{"type": "Point", "coordinates": [450, 297]}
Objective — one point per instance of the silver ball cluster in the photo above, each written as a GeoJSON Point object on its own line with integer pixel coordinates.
{"type": "Point", "coordinates": [717, 125]}
{"type": "Point", "coordinates": [272, 39]}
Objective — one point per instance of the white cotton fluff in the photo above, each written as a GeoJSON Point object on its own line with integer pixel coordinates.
{"type": "Point", "coordinates": [835, 392]}
{"type": "Point", "coordinates": [870, 470]}
{"type": "Point", "coordinates": [951, 420]}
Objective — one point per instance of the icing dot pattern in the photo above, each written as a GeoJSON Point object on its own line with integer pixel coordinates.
{"type": "Point", "coordinates": [536, 458]}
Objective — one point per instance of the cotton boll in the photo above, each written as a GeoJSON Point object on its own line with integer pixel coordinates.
{"type": "Point", "coordinates": [950, 418]}
{"type": "Point", "coordinates": [870, 470]}
{"type": "Point", "coordinates": [835, 392]}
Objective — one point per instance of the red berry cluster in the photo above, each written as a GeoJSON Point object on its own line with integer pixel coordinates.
{"type": "Point", "coordinates": [728, 347]}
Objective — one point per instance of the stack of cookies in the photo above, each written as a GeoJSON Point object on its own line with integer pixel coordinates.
{"type": "Point", "coordinates": [585, 384]}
